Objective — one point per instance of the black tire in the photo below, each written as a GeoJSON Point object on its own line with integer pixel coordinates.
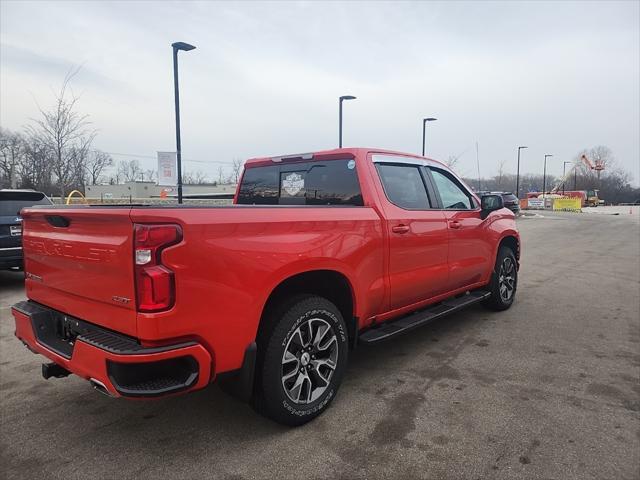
{"type": "Point", "coordinates": [505, 273]}
{"type": "Point", "coordinates": [286, 330]}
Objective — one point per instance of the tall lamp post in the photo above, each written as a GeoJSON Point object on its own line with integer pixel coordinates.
{"type": "Point", "coordinates": [564, 170]}
{"type": "Point", "coordinates": [424, 127]}
{"type": "Point", "coordinates": [342, 99]}
{"type": "Point", "coordinates": [176, 47]}
{"type": "Point", "coordinates": [518, 174]}
{"type": "Point", "coordinates": [544, 177]}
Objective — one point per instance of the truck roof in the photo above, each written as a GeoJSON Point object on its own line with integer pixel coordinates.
{"type": "Point", "coordinates": [328, 154]}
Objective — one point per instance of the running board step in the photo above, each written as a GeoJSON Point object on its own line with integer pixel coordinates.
{"type": "Point", "coordinates": [404, 324]}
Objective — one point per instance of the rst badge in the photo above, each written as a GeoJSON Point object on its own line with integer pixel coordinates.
{"type": "Point", "coordinates": [15, 230]}
{"type": "Point", "coordinates": [118, 299]}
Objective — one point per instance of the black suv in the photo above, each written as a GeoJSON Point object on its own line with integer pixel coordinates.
{"type": "Point", "coordinates": [509, 199]}
{"type": "Point", "coordinates": [11, 202]}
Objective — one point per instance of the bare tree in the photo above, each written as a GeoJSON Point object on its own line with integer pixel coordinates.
{"type": "Point", "coordinates": [35, 169]}
{"type": "Point", "coordinates": [597, 155]}
{"type": "Point", "coordinates": [220, 175]}
{"type": "Point", "coordinates": [12, 148]}
{"type": "Point", "coordinates": [236, 168]}
{"type": "Point", "coordinates": [200, 177]}
{"type": "Point", "coordinates": [500, 175]}
{"type": "Point", "coordinates": [66, 135]}
{"type": "Point", "coordinates": [128, 171]}
{"type": "Point", "coordinates": [194, 178]}
{"type": "Point", "coordinates": [600, 154]}
{"type": "Point", "coordinates": [150, 175]}
{"type": "Point", "coordinates": [96, 162]}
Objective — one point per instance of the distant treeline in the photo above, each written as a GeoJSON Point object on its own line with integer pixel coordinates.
{"type": "Point", "coordinates": [614, 182]}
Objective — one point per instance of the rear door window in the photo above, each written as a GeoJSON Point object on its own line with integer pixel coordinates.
{"type": "Point", "coordinates": [404, 186]}
{"type": "Point", "coordinates": [333, 182]}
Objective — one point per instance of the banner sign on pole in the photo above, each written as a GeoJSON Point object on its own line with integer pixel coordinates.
{"type": "Point", "coordinates": [167, 169]}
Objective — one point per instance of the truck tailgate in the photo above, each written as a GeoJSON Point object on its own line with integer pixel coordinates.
{"type": "Point", "coordinates": [79, 261]}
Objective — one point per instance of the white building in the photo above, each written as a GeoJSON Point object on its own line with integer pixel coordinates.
{"type": "Point", "coordinates": [141, 189]}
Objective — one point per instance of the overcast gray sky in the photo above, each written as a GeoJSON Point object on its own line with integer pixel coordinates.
{"type": "Point", "coordinates": [265, 77]}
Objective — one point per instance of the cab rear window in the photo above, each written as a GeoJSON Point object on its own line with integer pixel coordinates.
{"type": "Point", "coordinates": [333, 182]}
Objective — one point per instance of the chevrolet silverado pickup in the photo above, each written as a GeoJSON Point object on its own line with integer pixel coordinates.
{"type": "Point", "coordinates": [320, 252]}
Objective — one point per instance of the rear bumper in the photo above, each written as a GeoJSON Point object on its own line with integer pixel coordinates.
{"type": "Point", "coordinates": [116, 363]}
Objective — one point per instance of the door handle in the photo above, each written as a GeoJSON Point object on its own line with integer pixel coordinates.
{"type": "Point", "coordinates": [455, 224]}
{"type": "Point", "coordinates": [400, 228]}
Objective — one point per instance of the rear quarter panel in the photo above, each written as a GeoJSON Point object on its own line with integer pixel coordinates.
{"type": "Point", "coordinates": [232, 258]}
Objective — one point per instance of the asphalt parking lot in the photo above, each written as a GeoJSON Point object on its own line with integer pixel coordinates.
{"type": "Point", "coordinates": [548, 389]}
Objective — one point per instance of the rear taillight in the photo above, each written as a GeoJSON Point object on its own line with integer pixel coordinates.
{"type": "Point", "coordinates": [155, 283]}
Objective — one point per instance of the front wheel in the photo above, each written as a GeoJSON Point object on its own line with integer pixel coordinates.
{"type": "Point", "coordinates": [302, 357]}
{"type": "Point", "coordinates": [504, 281]}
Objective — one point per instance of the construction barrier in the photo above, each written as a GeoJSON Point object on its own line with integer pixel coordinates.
{"type": "Point", "coordinates": [567, 204]}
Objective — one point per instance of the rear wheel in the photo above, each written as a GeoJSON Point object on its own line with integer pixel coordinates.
{"type": "Point", "coordinates": [302, 355]}
{"type": "Point", "coordinates": [504, 281]}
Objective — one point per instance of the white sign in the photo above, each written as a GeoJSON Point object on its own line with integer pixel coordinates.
{"type": "Point", "coordinates": [167, 169]}
{"type": "Point", "coordinates": [535, 203]}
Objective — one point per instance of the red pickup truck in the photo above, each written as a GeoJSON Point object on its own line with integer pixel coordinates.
{"type": "Point", "coordinates": [320, 252]}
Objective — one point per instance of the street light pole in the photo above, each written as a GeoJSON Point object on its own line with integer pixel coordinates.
{"type": "Point", "coordinates": [544, 177]}
{"type": "Point", "coordinates": [564, 169]}
{"type": "Point", "coordinates": [176, 47]}
{"type": "Point", "coordinates": [342, 99]}
{"type": "Point", "coordinates": [518, 174]}
{"type": "Point", "coordinates": [424, 125]}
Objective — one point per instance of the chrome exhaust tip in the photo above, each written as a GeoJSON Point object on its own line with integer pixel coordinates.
{"type": "Point", "coordinates": [100, 387]}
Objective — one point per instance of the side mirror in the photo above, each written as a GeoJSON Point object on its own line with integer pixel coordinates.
{"type": "Point", "coordinates": [489, 203]}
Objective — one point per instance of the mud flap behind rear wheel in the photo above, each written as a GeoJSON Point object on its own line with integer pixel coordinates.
{"type": "Point", "coordinates": [239, 383]}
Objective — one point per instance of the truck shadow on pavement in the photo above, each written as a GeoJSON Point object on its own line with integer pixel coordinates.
{"type": "Point", "coordinates": [193, 424]}
{"type": "Point", "coordinates": [235, 419]}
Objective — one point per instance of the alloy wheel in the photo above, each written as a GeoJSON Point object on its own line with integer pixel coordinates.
{"type": "Point", "coordinates": [309, 361]}
{"type": "Point", "coordinates": [507, 279]}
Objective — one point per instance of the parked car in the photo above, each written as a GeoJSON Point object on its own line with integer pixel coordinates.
{"type": "Point", "coordinates": [321, 252]}
{"type": "Point", "coordinates": [509, 199]}
{"type": "Point", "coordinates": [11, 202]}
